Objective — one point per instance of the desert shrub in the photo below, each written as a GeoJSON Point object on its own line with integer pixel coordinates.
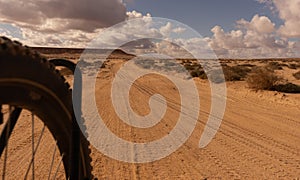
{"type": "Point", "coordinates": [223, 64]}
{"type": "Point", "coordinates": [263, 61]}
{"type": "Point", "coordinates": [216, 75]}
{"type": "Point", "coordinates": [274, 66]}
{"type": "Point", "coordinates": [236, 73]}
{"type": "Point", "coordinates": [198, 73]}
{"type": "Point", "coordinates": [247, 65]}
{"type": "Point", "coordinates": [189, 67]}
{"type": "Point", "coordinates": [103, 65]}
{"type": "Point", "coordinates": [262, 78]}
{"type": "Point", "coordinates": [293, 66]}
{"type": "Point", "coordinates": [297, 75]}
{"type": "Point", "coordinates": [286, 88]}
{"type": "Point", "coordinates": [283, 65]}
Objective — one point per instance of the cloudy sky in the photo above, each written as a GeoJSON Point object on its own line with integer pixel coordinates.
{"type": "Point", "coordinates": [231, 28]}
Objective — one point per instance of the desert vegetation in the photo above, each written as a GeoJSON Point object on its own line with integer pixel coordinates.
{"type": "Point", "coordinates": [297, 75]}
{"type": "Point", "coordinates": [262, 78]}
{"type": "Point", "coordinates": [258, 74]}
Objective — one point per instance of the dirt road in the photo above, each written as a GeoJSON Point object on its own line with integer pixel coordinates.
{"type": "Point", "coordinates": [259, 137]}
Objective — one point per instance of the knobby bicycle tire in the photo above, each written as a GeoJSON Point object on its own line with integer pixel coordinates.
{"type": "Point", "coordinates": [29, 81]}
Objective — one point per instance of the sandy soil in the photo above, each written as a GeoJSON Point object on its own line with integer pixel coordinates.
{"type": "Point", "coordinates": [259, 137]}
{"type": "Point", "coordinates": [19, 152]}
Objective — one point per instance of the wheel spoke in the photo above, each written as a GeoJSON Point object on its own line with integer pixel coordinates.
{"type": "Point", "coordinates": [61, 158]}
{"type": "Point", "coordinates": [9, 126]}
{"type": "Point", "coordinates": [14, 114]}
{"type": "Point", "coordinates": [32, 144]}
{"type": "Point", "coordinates": [35, 150]}
{"type": "Point", "coordinates": [52, 162]}
{"type": "Point", "coordinates": [6, 141]}
{"type": "Point", "coordinates": [1, 114]}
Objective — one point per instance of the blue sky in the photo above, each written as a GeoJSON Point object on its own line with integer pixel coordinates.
{"type": "Point", "coordinates": [200, 15]}
{"type": "Point", "coordinates": [232, 28]}
{"type": "Point", "coordinates": [204, 15]}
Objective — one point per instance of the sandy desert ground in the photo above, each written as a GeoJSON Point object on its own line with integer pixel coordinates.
{"type": "Point", "coordinates": [259, 137]}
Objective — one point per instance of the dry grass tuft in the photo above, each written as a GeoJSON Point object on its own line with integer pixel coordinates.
{"type": "Point", "coordinates": [262, 78]}
{"type": "Point", "coordinates": [297, 75]}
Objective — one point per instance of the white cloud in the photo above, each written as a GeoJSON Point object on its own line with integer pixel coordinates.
{"type": "Point", "coordinates": [144, 34]}
{"type": "Point", "coordinates": [252, 39]}
{"type": "Point", "coordinates": [179, 30]}
{"type": "Point", "coordinates": [56, 16]}
{"type": "Point", "coordinates": [166, 30]}
{"type": "Point", "coordinates": [69, 38]}
{"type": "Point", "coordinates": [261, 24]}
{"type": "Point", "coordinates": [135, 14]}
{"type": "Point", "coordinates": [256, 38]}
{"type": "Point", "coordinates": [227, 40]}
{"type": "Point", "coordinates": [68, 23]}
{"type": "Point", "coordinates": [289, 12]}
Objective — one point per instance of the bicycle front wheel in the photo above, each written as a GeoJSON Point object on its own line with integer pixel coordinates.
{"type": "Point", "coordinates": [28, 81]}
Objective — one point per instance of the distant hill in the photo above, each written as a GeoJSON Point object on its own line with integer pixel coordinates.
{"type": "Point", "coordinates": [51, 50]}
